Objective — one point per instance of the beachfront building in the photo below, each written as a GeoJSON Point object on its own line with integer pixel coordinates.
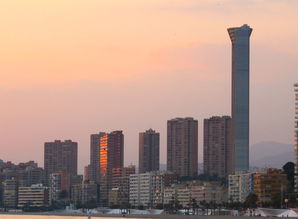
{"type": "Point", "coordinates": [146, 189]}
{"type": "Point", "coordinates": [85, 193]}
{"type": "Point", "coordinates": [33, 196]}
{"type": "Point", "coordinates": [240, 186]}
{"type": "Point", "coordinates": [187, 193]}
{"type": "Point", "coordinates": [76, 195]}
{"type": "Point", "coordinates": [120, 186]}
{"type": "Point", "coordinates": [269, 185]}
{"type": "Point", "coordinates": [202, 191]}
{"type": "Point", "coordinates": [89, 192]}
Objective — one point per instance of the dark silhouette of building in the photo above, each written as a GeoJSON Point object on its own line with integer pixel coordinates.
{"type": "Point", "coordinates": [148, 151]}
{"type": "Point", "coordinates": [218, 147]}
{"type": "Point", "coordinates": [59, 156]}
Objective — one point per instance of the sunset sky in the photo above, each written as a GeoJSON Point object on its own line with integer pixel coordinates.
{"type": "Point", "coordinates": [70, 68]}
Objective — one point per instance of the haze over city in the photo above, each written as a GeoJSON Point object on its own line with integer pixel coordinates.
{"type": "Point", "coordinates": [132, 65]}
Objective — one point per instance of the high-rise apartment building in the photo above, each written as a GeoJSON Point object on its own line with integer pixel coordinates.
{"type": "Point", "coordinates": [296, 137]}
{"type": "Point", "coordinates": [240, 95]}
{"type": "Point", "coordinates": [182, 146]}
{"type": "Point", "coordinates": [59, 156]}
{"type": "Point", "coordinates": [95, 156]}
{"type": "Point", "coordinates": [148, 151]}
{"type": "Point", "coordinates": [218, 147]}
{"type": "Point", "coordinates": [269, 185]}
{"type": "Point", "coordinates": [111, 155]}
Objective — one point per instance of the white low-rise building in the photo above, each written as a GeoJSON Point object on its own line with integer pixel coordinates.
{"type": "Point", "coordinates": [187, 193]}
{"type": "Point", "coordinates": [240, 186]}
{"type": "Point", "coordinates": [33, 196]}
{"type": "Point", "coordinates": [147, 189]}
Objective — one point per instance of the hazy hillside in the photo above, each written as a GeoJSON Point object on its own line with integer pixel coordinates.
{"type": "Point", "coordinates": [271, 154]}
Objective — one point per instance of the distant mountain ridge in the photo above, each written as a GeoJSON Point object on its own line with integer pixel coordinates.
{"type": "Point", "coordinates": [271, 154]}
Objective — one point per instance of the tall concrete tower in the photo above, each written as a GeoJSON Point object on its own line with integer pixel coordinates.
{"type": "Point", "coordinates": [240, 95]}
{"type": "Point", "coordinates": [296, 137]}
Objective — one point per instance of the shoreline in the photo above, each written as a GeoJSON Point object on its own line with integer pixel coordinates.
{"type": "Point", "coordinates": [165, 216]}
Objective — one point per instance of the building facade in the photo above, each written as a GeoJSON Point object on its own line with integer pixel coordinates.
{"type": "Point", "coordinates": [95, 156]}
{"type": "Point", "coordinates": [84, 194]}
{"type": "Point", "coordinates": [240, 186]}
{"type": "Point", "coordinates": [33, 196]}
{"type": "Point", "coordinates": [89, 192]}
{"type": "Point", "coordinates": [146, 189]}
{"type": "Point", "coordinates": [269, 185]}
{"type": "Point", "coordinates": [87, 173]}
{"type": "Point", "coordinates": [10, 193]}
{"type": "Point", "coordinates": [111, 155]}
{"type": "Point", "coordinates": [119, 174]}
{"type": "Point", "coordinates": [296, 137]}
{"type": "Point", "coordinates": [26, 174]}
{"type": "Point", "coordinates": [31, 176]}
{"type": "Point", "coordinates": [182, 146]}
{"type": "Point", "coordinates": [240, 94]}
{"type": "Point", "coordinates": [59, 186]}
{"type": "Point", "coordinates": [76, 195]}
{"type": "Point", "coordinates": [185, 194]}
{"type": "Point", "coordinates": [119, 193]}
{"type": "Point", "coordinates": [59, 156]}
{"type": "Point", "coordinates": [218, 147]}
{"type": "Point", "coordinates": [148, 151]}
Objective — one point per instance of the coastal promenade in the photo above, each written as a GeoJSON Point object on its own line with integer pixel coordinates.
{"type": "Point", "coordinates": [57, 215]}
